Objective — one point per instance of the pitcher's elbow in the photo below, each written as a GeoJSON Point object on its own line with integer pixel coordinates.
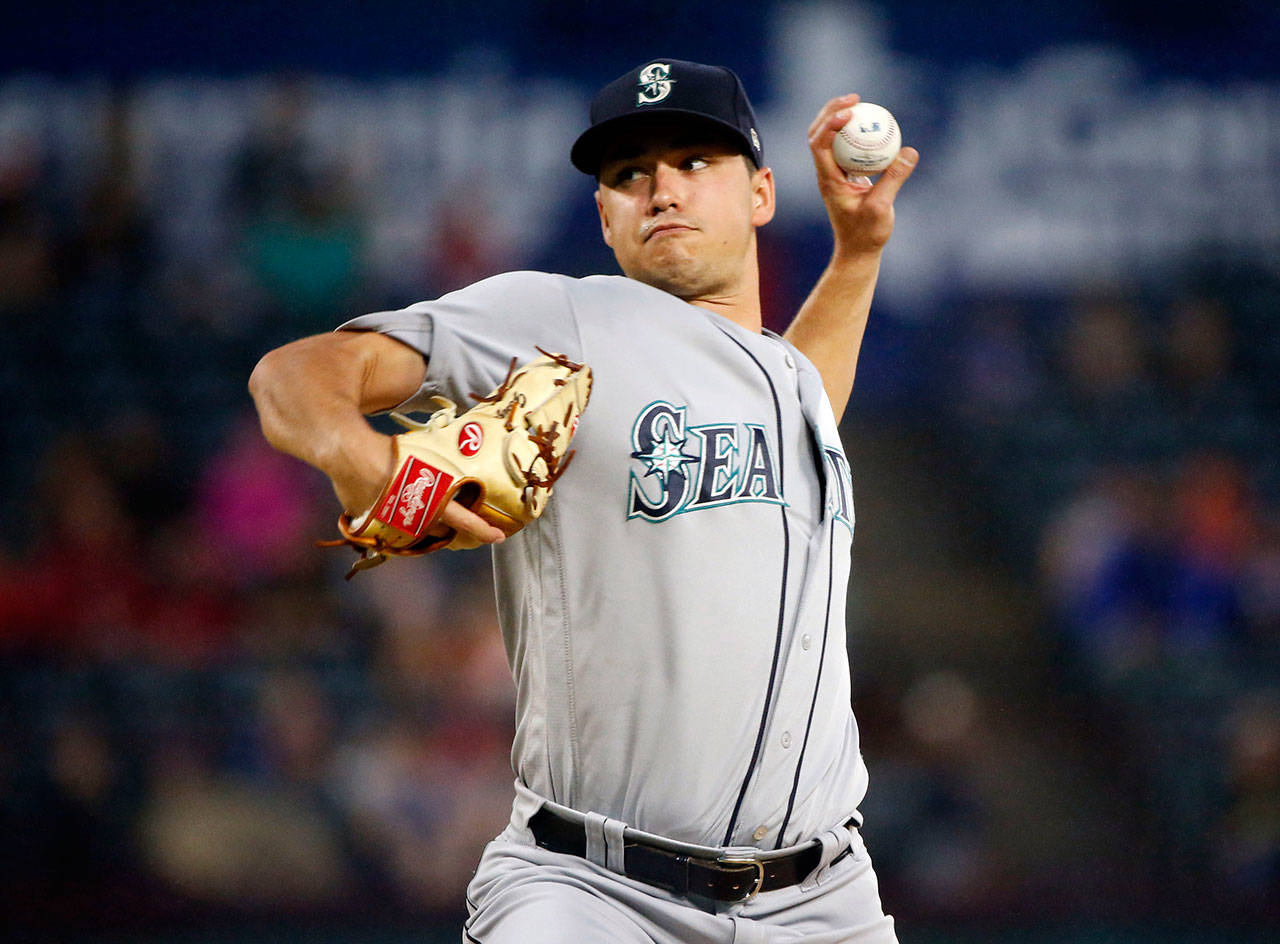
{"type": "Point", "coordinates": [263, 376]}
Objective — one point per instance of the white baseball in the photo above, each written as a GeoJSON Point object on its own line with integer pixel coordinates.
{"type": "Point", "coordinates": [868, 142]}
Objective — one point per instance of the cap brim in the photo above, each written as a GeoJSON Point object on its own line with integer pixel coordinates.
{"type": "Point", "coordinates": [588, 151]}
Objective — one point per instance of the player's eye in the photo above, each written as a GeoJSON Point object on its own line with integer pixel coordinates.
{"type": "Point", "coordinates": [625, 175]}
{"type": "Point", "coordinates": [695, 162]}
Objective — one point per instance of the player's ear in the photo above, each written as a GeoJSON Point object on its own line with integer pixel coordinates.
{"type": "Point", "coordinates": [605, 231]}
{"type": "Point", "coordinates": [763, 197]}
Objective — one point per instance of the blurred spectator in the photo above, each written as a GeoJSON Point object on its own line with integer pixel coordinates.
{"type": "Point", "coordinates": [1197, 350]}
{"type": "Point", "coordinates": [191, 620]}
{"type": "Point", "coordinates": [87, 811]}
{"type": "Point", "coordinates": [1208, 397]}
{"type": "Point", "coordinates": [111, 246]}
{"type": "Point", "coordinates": [1140, 570]}
{"type": "Point", "coordinates": [998, 372]}
{"type": "Point", "coordinates": [423, 799]}
{"type": "Point", "coordinates": [137, 454]}
{"type": "Point", "coordinates": [257, 511]}
{"type": "Point", "coordinates": [303, 238]}
{"type": "Point", "coordinates": [81, 590]}
{"type": "Point", "coordinates": [1247, 849]}
{"type": "Point", "coordinates": [1216, 529]}
{"type": "Point", "coordinates": [454, 658]}
{"type": "Point", "coordinates": [276, 159]}
{"type": "Point", "coordinates": [306, 252]}
{"type": "Point", "coordinates": [221, 840]}
{"type": "Point", "coordinates": [289, 739]}
{"type": "Point", "coordinates": [927, 818]}
{"type": "Point", "coordinates": [1111, 393]}
{"type": "Point", "coordinates": [1104, 354]}
{"type": "Point", "coordinates": [28, 250]}
{"type": "Point", "coordinates": [1105, 558]}
{"type": "Point", "coordinates": [1260, 591]}
{"type": "Point", "coordinates": [466, 242]}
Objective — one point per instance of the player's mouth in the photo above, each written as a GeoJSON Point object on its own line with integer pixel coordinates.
{"type": "Point", "coordinates": [667, 227]}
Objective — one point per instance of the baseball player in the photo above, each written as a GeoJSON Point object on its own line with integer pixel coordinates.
{"type": "Point", "coordinates": [687, 762]}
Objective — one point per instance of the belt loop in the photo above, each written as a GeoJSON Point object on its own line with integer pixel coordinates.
{"type": "Point", "coordinates": [614, 845]}
{"type": "Point", "coordinates": [834, 841]}
{"type": "Point", "coordinates": [593, 826]}
{"type": "Point", "coordinates": [683, 882]}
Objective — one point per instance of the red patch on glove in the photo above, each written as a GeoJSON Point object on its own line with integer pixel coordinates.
{"type": "Point", "coordinates": [414, 497]}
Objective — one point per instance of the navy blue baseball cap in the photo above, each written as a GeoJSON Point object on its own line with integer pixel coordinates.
{"type": "Point", "coordinates": [712, 94]}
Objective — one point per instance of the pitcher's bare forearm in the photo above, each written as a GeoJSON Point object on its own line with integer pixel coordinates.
{"type": "Point", "coordinates": [312, 396]}
{"type": "Point", "coordinates": [829, 326]}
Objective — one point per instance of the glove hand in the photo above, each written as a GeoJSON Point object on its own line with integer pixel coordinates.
{"type": "Point", "coordinates": [458, 517]}
{"type": "Point", "coordinates": [461, 481]}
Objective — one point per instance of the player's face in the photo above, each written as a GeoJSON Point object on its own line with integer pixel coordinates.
{"type": "Point", "coordinates": [679, 207]}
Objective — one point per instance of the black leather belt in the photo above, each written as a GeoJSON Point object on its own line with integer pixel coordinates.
{"type": "Point", "coordinates": [735, 875]}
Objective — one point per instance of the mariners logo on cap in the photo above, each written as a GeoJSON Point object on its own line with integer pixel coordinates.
{"type": "Point", "coordinates": [655, 83]}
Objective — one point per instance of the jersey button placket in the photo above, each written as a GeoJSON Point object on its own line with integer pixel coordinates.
{"type": "Point", "coordinates": [786, 739]}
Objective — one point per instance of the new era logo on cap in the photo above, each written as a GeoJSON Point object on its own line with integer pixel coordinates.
{"type": "Point", "coordinates": [711, 94]}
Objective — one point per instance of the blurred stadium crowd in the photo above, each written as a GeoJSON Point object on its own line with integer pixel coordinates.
{"type": "Point", "coordinates": [198, 717]}
{"type": "Point", "coordinates": [1126, 450]}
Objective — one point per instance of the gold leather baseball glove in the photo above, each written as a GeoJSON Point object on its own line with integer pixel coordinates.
{"type": "Point", "coordinates": [500, 459]}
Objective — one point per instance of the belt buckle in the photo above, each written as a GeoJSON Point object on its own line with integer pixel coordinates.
{"type": "Point", "coordinates": [744, 855]}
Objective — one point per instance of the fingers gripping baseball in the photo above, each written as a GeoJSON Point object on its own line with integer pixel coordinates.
{"type": "Point", "coordinates": [861, 213]}
{"type": "Point", "coordinates": [822, 131]}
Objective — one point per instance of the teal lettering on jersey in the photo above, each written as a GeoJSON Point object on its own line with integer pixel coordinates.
{"type": "Point", "coordinates": [839, 502]}
{"type": "Point", "coordinates": [687, 468]}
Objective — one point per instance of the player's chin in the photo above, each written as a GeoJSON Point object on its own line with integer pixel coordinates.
{"type": "Point", "coordinates": [690, 289]}
{"type": "Point", "coordinates": [668, 271]}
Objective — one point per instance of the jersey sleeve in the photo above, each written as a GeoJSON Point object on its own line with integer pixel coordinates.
{"type": "Point", "coordinates": [468, 337]}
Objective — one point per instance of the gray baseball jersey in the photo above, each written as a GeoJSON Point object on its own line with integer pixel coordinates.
{"type": "Point", "coordinates": [675, 621]}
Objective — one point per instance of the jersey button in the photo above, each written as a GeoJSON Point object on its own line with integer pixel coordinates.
{"type": "Point", "coordinates": [786, 739]}
{"type": "Point", "coordinates": [789, 361]}
{"type": "Point", "coordinates": [806, 641]}
{"type": "Point", "coordinates": [760, 833]}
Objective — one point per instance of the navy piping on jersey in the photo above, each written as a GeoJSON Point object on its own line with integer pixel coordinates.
{"type": "Point", "coordinates": [822, 656]}
{"type": "Point", "coordinates": [572, 789]}
{"type": "Point", "coordinates": [782, 601]}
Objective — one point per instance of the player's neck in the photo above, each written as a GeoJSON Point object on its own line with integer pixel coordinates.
{"type": "Point", "coordinates": [740, 304]}
{"type": "Point", "coordinates": [748, 316]}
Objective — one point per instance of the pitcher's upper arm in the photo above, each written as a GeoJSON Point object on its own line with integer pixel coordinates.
{"type": "Point", "coordinates": [364, 369]}
{"type": "Point", "coordinates": [392, 371]}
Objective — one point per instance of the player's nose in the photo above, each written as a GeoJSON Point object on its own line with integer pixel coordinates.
{"type": "Point", "coordinates": [665, 188]}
